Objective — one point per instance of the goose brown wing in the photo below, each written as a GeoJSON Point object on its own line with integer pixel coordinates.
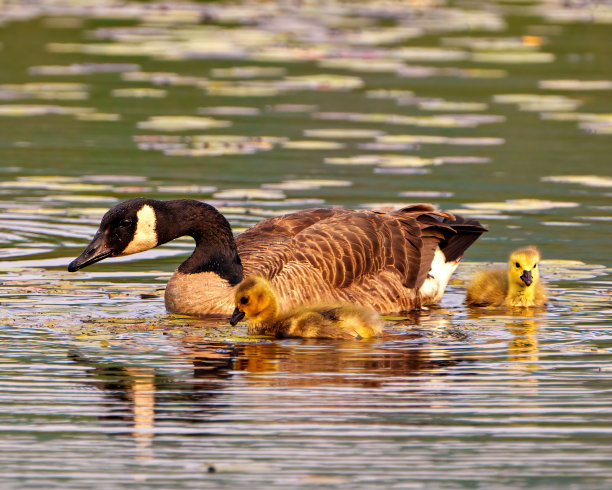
{"type": "Point", "coordinates": [273, 231]}
{"type": "Point", "coordinates": [348, 247]}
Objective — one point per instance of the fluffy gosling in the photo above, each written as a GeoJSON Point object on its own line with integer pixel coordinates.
{"type": "Point", "coordinates": [516, 286]}
{"type": "Point", "coordinates": [256, 300]}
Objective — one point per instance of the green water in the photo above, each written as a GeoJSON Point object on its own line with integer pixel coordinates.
{"type": "Point", "coordinates": [506, 117]}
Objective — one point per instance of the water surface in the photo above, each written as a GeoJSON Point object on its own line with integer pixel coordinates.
{"type": "Point", "coordinates": [496, 110]}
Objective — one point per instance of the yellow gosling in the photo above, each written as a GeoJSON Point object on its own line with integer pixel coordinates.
{"type": "Point", "coordinates": [256, 300]}
{"type": "Point", "coordinates": [518, 285]}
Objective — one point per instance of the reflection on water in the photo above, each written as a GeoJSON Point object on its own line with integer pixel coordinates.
{"type": "Point", "coordinates": [497, 110]}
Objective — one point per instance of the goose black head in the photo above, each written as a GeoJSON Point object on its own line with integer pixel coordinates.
{"type": "Point", "coordinates": [128, 228]}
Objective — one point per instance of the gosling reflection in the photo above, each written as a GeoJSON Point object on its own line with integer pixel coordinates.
{"type": "Point", "coordinates": [523, 347]}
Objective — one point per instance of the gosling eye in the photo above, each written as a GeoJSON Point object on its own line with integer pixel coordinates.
{"type": "Point", "coordinates": [518, 266]}
{"type": "Point", "coordinates": [244, 300]}
{"type": "Point", "coordinates": [535, 265]}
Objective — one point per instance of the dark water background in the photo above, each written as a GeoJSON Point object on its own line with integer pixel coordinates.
{"type": "Point", "coordinates": [500, 110]}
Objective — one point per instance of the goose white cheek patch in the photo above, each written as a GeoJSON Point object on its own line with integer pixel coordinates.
{"type": "Point", "coordinates": [145, 236]}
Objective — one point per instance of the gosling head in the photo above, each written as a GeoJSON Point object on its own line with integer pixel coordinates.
{"type": "Point", "coordinates": [254, 300]}
{"type": "Point", "coordinates": [129, 227]}
{"type": "Point", "coordinates": [523, 270]}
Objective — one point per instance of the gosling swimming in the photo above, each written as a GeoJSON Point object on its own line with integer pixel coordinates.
{"type": "Point", "coordinates": [518, 285]}
{"type": "Point", "coordinates": [256, 300]}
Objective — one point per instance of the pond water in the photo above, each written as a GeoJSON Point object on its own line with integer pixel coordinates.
{"type": "Point", "coordinates": [498, 110]}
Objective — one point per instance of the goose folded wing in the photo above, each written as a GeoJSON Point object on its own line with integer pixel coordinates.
{"type": "Point", "coordinates": [350, 247]}
{"type": "Point", "coordinates": [280, 229]}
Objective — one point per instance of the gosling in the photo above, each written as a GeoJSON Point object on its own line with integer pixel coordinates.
{"type": "Point", "coordinates": [516, 286]}
{"type": "Point", "coordinates": [256, 300]}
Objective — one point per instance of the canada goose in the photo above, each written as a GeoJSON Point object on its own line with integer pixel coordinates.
{"type": "Point", "coordinates": [516, 285]}
{"type": "Point", "coordinates": [394, 261]}
{"type": "Point", "coordinates": [256, 300]}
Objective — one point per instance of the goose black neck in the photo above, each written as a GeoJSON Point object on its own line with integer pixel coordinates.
{"type": "Point", "coordinates": [215, 249]}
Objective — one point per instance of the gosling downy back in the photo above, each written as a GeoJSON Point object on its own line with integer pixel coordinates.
{"type": "Point", "coordinates": [516, 285]}
{"type": "Point", "coordinates": [394, 261]}
{"type": "Point", "coordinates": [256, 300]}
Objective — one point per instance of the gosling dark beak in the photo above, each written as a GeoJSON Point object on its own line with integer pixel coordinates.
{"type": "Point", "coordinates": [236, 317]}
{"type": "Point", "coordinates": [526, 278]}
{"type": "Point", "coordinates": [94, 252]}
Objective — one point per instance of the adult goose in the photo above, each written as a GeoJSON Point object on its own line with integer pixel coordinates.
{"type": "Point", "coordinates": [392, 261]}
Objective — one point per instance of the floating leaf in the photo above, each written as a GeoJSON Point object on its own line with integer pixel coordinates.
{"type": "Point", "coordinates": [140, 93]}
{"type": "Point", "coordinates": [162, 78]}
{"type": "Point", "coordinates": [249, 194]}
{"type": "Point", "coordinates": [519, 58]}
{"type": "Point", "coordinates": [187, 189]}
{"type": "Point", "coordinates": [248, 72]}
{"type": "Point", "coordinates": [588, 180]}
{"type": "Point", "coordinates": [230, 111]}
{"type": "Point", "coordinates": [519, 43]}
{"type": "Point", "coordinates": [568, 84]}
{"type": "Point", "coordinates": [383, 160]}
{"type": "Point", "coordinates": [426, 194]}
{"type": "Point", "coordinates": [389, 94]}
{"type": "Point", "coordinates": [444, 105]}
{"type": "Point", "coordinates": [430, 54]}
{"type": "Point", "coordinates": [539, 103]}
{"type": "Point", "coordinates": [82, 69]}
{"type": "Point", "coordinates": [521, 205]}
{"type": "Point", "coordinates": [324, 82]}
{"type": "Point", "coordinates": [343, 133]}
{"type": "Point", "coordinates": [307, 184]}
{"type": "Point", "coordinates": [439, 140]}
{"type": "Point", "coordinates": [357, 64]}
{"type": "Point", "coordinates": [293, 108]}
{"type": "Point", "coordinates": [445, 121]}
{"type": "Point", "coordinates": [313, 145]}
{"type": "Point", "coordinates": [20, 110]}
{"type": "Point", "coordinates": [563, 223]}
{"type": "Point", "coordinates": [98, 116]}
{"type": "Point", "coordinates": [182, 123]}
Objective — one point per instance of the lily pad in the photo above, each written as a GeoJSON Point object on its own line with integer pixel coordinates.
{"type": "Point", "coordinates": [521, 205]}
{"type": "Point", "coordinates": [140, 93]}
{"type": "Point", "coordinates": [587, 180]}
{"type": "Point", "coordinates": [313, 145]}
{"type": "Point", "coordinates": [343, 133]}
{"type": "Point", "coordinates": [580, 85]}
{"type": "Point", "coordinates": [182, 123]}
{"type": "Point", "coordinates": [249, 194]}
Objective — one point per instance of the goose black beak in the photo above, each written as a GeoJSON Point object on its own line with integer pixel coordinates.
{"type": "Point", "coordinates": [527, 278]}
{"type": "Point", "coordinates": [94, 252]}
{"type": "Point", "coordinates": [236, 317]}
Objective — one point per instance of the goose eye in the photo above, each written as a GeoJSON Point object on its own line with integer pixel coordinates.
{"type": "Point", "coordinates": [244, 300]}
{"type": "Point", "coordinates": [125, 222]}
{"type": "Point", "coordinates": [517, 265]}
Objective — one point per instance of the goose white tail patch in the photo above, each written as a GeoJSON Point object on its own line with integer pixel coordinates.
{"type": "Point", "coordinates": [145, 236]}
{"type": "Point", "coordinates": [440, 273]}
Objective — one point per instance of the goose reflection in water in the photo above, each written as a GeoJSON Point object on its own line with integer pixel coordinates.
{"type": "Point", "coordinates": [141, 396]}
